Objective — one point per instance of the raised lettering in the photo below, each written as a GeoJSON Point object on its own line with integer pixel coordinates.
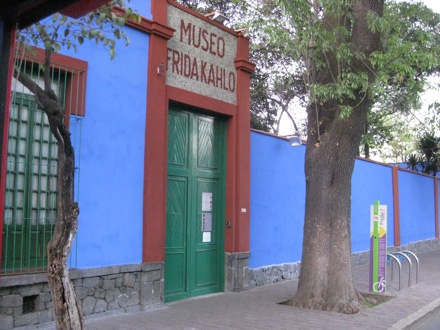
{"type": "Point", "coordinates": [205, 47]}
{"type": "Point", "coordinates": [194, 70]}
{"type": "Point", "coordinates": [224, 80]}
{"type": "Point", "coordinates": [181, 63]}
{"type": "Point", "coordinates": [185, 31]}
{"type": "Point", "coordinates": [196, 36]}
{"type": "Point", "coordinates": [176, 60]}
{"type": "Point", "coordinates": [203, 73]}
{"type": "Point", "coordinates": [169, 50]}
{"type": "Point", "coordinates": [231, 82]}
{"type": "Point", "coordinates": [187, 66]}
{"type": "Point", "coordinates": [211, 76]}
{"type": "Point", "coordinates": [221, 47]}
{"type": "Point", "coordinates": [212, 43]}
{"type": "Point", "coordinates": [218, 80]}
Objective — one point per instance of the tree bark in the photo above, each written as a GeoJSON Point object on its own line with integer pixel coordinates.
{"type": "Point", "coordinates": [325, 280]}
{"type": "Point", "coordinates": [67, 310]}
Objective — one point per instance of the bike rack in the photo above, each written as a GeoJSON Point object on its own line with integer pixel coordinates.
{"type": "Point", "coordinates": [393, 257]}
{"type": "Point", "coordinates": [417, 262]}
{"type": "Point", "coordinates": [410, 265]}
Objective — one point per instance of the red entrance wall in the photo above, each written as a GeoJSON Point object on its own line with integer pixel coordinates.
{"type": "Point", "coordinates": [159, 95]}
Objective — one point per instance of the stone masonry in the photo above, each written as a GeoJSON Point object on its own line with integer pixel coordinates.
{"type": "Point", "coordinates": [289, 271]}
{"type": "Point", "coordinates": [25, 300]}
{"type": "Point", "coordinates": [237, 271]}
{"type": "Point", "coordinates": [273, 274]}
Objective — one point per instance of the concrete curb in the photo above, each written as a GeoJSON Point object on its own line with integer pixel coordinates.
{"type": "Point", "coordinates": [418, 317]}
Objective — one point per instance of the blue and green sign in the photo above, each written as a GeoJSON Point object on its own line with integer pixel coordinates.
{"type": "Point", "coordinates": [378, 247]}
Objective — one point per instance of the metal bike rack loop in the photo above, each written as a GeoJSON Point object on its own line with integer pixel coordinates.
{"type": "Point", "coordinates": [410, 265]}
{"type": "Point", "coordinates": [417, 262]}
{"type": "Point", "coordinates": [393, 257]}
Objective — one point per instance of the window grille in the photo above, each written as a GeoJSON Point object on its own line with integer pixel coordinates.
{"type": "Point", "coordinates": [31, 171]}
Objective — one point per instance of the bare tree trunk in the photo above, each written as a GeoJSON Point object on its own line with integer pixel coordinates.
{"type": "Point", "coordinates": [68, 312]}
{"type": "Point", "coordinates": [326, 269]}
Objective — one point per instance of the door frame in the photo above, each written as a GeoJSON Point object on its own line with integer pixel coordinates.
{"type": "Point", "coordinates": [159, 96]}
{"type": "Point", "coordinates": [194, 176]}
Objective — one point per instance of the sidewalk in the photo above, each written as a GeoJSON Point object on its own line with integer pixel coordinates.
{"type": "Point", "coordinates": [258, 308]}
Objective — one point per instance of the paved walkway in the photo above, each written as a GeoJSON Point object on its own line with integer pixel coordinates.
{"type": "Point", "coordinates": [258, 308]}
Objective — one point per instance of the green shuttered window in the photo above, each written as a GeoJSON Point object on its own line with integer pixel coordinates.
{"type": "Point", "coordinates": [30, 209]}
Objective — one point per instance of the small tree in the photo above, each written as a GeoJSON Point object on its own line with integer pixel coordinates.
{"type": "Point", "coordinates": [102, 26]}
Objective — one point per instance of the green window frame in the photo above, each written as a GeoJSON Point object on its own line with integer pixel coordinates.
{"type": "Point", "coordinates": [31, 188]}
{"type": "Point", "coordinates": [30, 204]}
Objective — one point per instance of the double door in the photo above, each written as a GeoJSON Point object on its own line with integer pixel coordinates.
{"type": "Point", "coordinates": [194, 253]}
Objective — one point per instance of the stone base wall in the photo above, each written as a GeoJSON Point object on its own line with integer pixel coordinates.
{"type": "Point", "coordinates": [277, 273]}
{"type": "Point", "coordinates": [237, 271]}
{"type": "Point", "coordinates": [361, 258]}
{"type": "Point", "coordinates": [25, 300]}
{"type": "Point", "coordinates": [273, 274]}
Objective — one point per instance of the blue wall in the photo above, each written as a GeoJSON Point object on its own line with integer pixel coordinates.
{"type": "Point", "coordinates": [277, 201]}
{"type": "Point", "coordinates": [142, 7]}
{"type": "Point", "coordinates": [416, 194]}
{"type": "Point", "coordinates": [111, 161]}
{"type": "Point", "coordinates": [370, 182]}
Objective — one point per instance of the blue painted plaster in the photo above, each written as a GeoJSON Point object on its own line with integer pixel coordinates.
{"type": "Point", "coordinates": [417, 209]}
{"type": "Point", "coordinates": [370, 182]}
{"type": "Point", "coordinates": [142, 7]}
{"type": "Point", "coordinates": [112, 154]}
{"type": "Point", "coordinates": [277, 201]}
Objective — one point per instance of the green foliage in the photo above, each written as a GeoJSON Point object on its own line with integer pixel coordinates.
{"type": "Point", "coordinates": [410, 38]}
{"type": "Point", "coordinates": [410, 54]}
{"type": "Point", "coordinates": [279, 66]}
{"type": "Point", "coordinates": [224, 6]}
{"type": "Point", "coordinates": [103, 26]}
{"type": "Point", "coordinates": [427, 159]}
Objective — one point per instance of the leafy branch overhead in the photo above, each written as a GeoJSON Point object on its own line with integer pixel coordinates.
{"type": "Point", "coordinates": [104, 26]}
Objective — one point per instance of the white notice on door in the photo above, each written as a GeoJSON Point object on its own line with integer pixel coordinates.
{"type": "Point", "coordinates": [206, 202]}
{"type": "Point", "coordinates": [206, 237]}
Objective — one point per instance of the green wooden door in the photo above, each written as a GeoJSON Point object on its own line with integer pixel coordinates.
{"type": "Point", "coordinates": [194, 254]}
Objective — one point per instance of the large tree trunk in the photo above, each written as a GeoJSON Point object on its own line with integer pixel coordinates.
{"type": "Point", "coordinates": [326, 269]}
{"type": "Point", "coordinates": [68, 312]}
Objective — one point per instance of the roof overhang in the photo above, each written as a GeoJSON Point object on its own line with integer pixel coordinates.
{"type": "Point", "coordinates": [27, 12]}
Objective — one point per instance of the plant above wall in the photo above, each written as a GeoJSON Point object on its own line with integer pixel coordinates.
{"type": "Point", "coordinates": [427, 158]}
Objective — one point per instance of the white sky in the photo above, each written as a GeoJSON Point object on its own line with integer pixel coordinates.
{"type": "Point", "coordinates": [433, 4]}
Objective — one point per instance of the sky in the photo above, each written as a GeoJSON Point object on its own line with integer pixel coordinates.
{"type": "Point", "coordinates": [433, 4]}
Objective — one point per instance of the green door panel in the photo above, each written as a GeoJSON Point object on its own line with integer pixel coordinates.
{"type": "Point", "coordinates": [176, 232]}
{"type": "Point", "coordinates": [194, 253]}
{"type": "Point", "coordinates": [178, 145]}
{"type": "Point", "coordinates": [207, 158]}
{"type": "Point", "coordinates": [207, 257]}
